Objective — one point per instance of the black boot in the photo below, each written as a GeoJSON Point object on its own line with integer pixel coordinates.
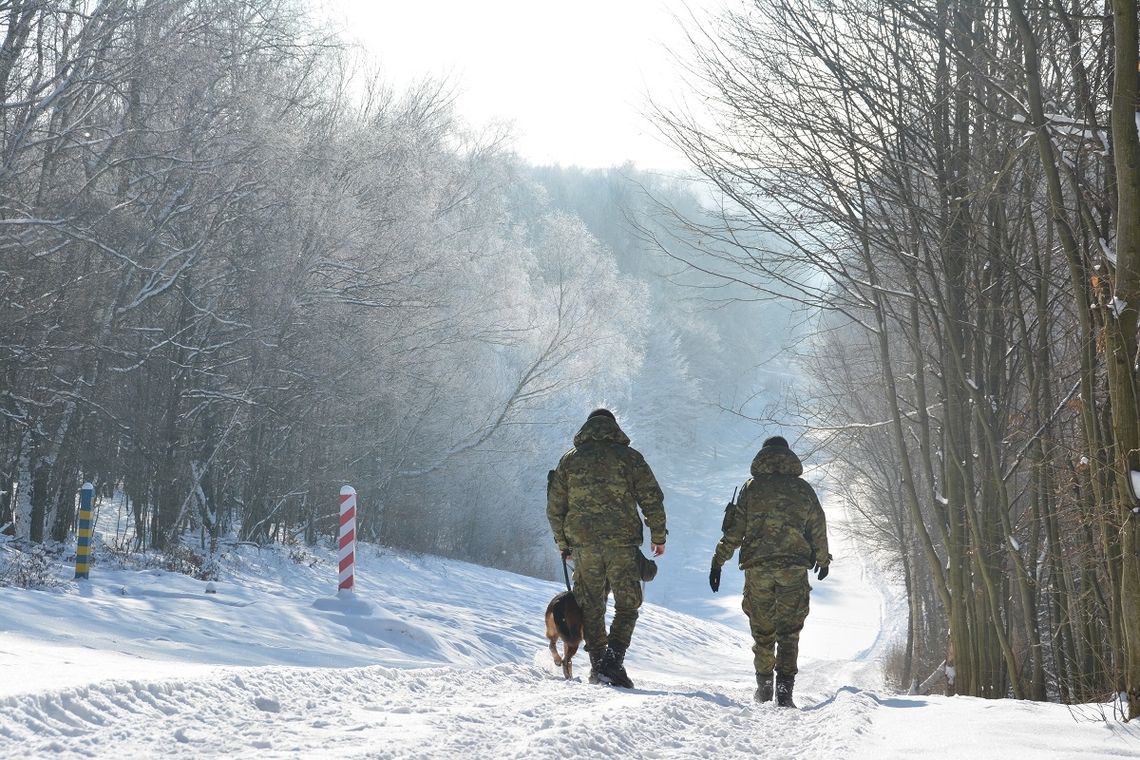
{"type": "Point", "coordinates": [595, 665]}
{"type": "Point", "coordinates": [763, 687]}
{"type": "Point", "coordinates": [784, 686]}
{"type": "Point", "coordinates": [612, 671]}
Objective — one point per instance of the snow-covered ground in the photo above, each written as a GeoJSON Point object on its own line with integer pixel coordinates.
{"type": "Point", "coordinates": [435, 658]}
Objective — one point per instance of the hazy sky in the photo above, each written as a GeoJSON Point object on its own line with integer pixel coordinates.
{"type": "Point", "coordinates": [572, 78]}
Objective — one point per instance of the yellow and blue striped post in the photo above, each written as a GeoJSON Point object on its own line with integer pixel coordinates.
{"type": "Point", "coordinates": [83, 550]}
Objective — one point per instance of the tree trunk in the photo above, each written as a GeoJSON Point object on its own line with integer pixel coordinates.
{"type": "Point", "coordinates": [1121, 326]}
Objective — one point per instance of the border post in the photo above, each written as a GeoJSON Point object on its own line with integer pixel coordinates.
{"type": "Point", "coordinates": [347, 540]}
{"type": "Point", "coordinates": [83, 548]}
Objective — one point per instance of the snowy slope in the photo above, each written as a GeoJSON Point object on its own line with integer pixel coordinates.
{"type": "Point", "coordinates": [434, 657]}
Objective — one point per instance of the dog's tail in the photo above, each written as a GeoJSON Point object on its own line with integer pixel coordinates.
{"type": "Point", "coordinates": [567, 615]}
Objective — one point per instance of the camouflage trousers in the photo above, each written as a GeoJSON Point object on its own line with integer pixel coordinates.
{"type": "Point", "coordinates": [776, 603]}
{"type": "Point", "coordinates": [597, 572]}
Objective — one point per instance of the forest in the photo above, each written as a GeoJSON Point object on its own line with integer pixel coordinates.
{"type": "Point", "coordinates": [955, 186]}
{"type": "Point", "coordinates": [240, 271]}
{"type": "Point", "coordinates": [237, 270]}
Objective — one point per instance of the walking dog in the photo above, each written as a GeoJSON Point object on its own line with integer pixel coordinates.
{"type": "Point", "coordinates": [564, 621]}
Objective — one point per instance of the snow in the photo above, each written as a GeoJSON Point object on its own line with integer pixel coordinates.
{"type": "Point", "coordinates": [435, 658]}
{"type": "Point", "coordinates": [1064, 125]}
{"type": "Point", "coordinates": [1134, 476]}
{"type": "Point", "coordinates": [1107, 250]}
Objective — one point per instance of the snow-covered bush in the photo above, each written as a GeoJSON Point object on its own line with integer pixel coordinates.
{"type": "Point", "coordinates": [27, 565]}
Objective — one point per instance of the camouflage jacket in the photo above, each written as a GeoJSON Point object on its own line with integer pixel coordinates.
{"type": "Point", "coordinates": [593, 495]}
{"type": "Point", "coordinates": [777, 521]}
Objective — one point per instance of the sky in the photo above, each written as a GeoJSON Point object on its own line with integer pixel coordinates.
{"type": "Point", "coordinates": [574, 79]}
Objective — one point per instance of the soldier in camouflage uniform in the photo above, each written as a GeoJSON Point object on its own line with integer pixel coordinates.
{"type": "Point", "coordinates": [779, 527]}
{"type": "Point", "coordinates": [592, 504]}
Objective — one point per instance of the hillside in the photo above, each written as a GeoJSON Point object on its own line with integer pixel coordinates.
{"type": "Point", "coordinates": [433, 657]}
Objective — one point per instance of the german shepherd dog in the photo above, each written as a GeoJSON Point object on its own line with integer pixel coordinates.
{"type": "Point", "coordinates": [564, 620]}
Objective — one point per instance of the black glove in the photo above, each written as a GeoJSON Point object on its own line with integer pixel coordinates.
{"type": "Point", "coordinates": [820, 571]}
{"type": "Point", "coordinates": [714, 578]}
{"type": "Point", "coordinates": [566, 553]}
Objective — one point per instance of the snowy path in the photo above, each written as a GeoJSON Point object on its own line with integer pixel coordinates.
{"type": "Point", "coordinates": [512, 711]}
{"type": "Point", "coordinates": [504, 711]}
{"type": "Point", "coordinates": [434, 658]}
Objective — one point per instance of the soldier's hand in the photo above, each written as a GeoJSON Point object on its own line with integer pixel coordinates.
{"type": "Point", "coordinates": [714, 577]}
{"type": "Point", "coordinates": [657, 549]}
{"type": "Point", "coordinates": [567, 553]}
{"type": "Point", "coordinates": [821, 571]}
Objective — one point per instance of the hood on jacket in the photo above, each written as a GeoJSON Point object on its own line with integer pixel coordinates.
{"type": "Point", "coordinates": [601, 428]}
{"type": "Point", "coordinates": [776, 460]}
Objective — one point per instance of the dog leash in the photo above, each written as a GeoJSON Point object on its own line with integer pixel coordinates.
{"type": "Point", "coordinates": [566, 573]}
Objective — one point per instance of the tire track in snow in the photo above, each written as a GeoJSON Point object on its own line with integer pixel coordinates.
{"type": "Point", "coordinates": [513, 711]}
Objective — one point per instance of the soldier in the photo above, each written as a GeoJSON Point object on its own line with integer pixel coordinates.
{"type": "Point", "coordinates": [779, 527]}
{"type": "Point", "coordinates": [592, 501]}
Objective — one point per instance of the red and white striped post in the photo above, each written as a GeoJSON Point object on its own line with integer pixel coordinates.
{"type": "Point", "coordinates": [347, 538]}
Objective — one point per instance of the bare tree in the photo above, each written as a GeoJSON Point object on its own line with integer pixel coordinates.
{"type": "Point", "coordinates": [913, 170]}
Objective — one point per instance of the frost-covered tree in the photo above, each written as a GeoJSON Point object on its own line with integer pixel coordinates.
{"type": "Point", "coordinates": [939, 180]}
